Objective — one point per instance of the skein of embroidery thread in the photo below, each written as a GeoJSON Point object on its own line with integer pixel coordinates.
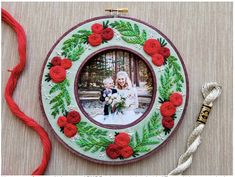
{"type": "Point", "coordinates": [211, 91]}
{"type": "Point", "coordinates": [11, 85]}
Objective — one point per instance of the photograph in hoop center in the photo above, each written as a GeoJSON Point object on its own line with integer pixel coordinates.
{"type": "Point", "coordinates": [115, 87]}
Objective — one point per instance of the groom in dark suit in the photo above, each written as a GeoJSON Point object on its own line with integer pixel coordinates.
{"type": "Point", "coordinates": [107, 92]}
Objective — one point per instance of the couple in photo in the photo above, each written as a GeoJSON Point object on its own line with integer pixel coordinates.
{"type": "Point", "coordinates": [120, 101]}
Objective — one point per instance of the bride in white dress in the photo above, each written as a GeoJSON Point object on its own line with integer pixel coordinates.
{"type": "Point", "coordinates": [127, 114]}
{"type": "Point", "coordinates": [125, 89]}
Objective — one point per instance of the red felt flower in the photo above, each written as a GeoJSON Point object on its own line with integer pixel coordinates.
{"type": "Point", "coordinates": [176, 99]}
{"type": "Point", "coordinates": [57, 74]}
{"type": "Point", "coordinates": [62, 121]}
{"type": "Point", "coordinates": [70, 130]}
{"type": "Point", "coordinates": [107, 34]}
{"type": "Point", "coordinates": [113, 151]}
{"type": "Point", "coordinates": [95, 39]}
{"type": "Point", "coordinates": [56, 61]}
{"type": "Point", "coordinates": [73, 117]}
{"type": "Point", "coordinates": [122, 139]}
{"type": "Point", "coordinates": [167, 109]}
{"type": "Point", "coordinates": [152, 46]}
{"type": "Point", "coordinates": [97, 28]}
{"type": "Point", "coordinates": [167, 122]}
{"type": "Point", "coordinates": [157, 59]}
{"type": "Point", "coordinates": [66, 63]}
{"type": "Point", "coordinates": [126, 152]}
{"type": "Point", "coordinates": [165, 52]}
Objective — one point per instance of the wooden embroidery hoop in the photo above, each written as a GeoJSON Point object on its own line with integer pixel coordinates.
{"type": "Point", "coordinates": [186, 87]}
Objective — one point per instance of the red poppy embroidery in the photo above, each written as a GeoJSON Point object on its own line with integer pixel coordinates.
{"type": "Point", "coordinates": [165, 52]}
{"type": "Point", "coordinates": [62, 121]}
{"type": "Point", "coordinates": [73, 117]}
{"type": "Point", "coordinates": [107, 34]}
{"type": "Point", "coordinates": [70, 130]}
{"type": "Point", "coordinates": [167, 109]}
{"type": "Point", "coordinates": [95, 39]}
{"type": "Point", "coordinates": [66, 63]}
{"type": "Point", "coordinates": [56, 61]}
{"type": "Point", "coordinates": [176, 99]}
{"type": "Point", "coordinates": [113, 151]}
{"type": "Point", "coordinates": [57, 74]}
{"type": "Point", "coordinates": [97, 28]}
{"type": "Point", "coordinates": [157, 59]}
{"type": "Point", "coordinates": [152, 46]}
{"type": "Point", "coordinates": [122, 139]}
{"type": "Point", "coordinates": [168, 122]}
{"type": "Point", "coordinates": [126, 152]}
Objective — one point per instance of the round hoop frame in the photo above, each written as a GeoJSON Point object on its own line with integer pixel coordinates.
{"type": "Point", "coordinates": [147, 133]}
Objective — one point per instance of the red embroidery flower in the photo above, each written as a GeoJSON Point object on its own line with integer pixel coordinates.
{"type": "Point", "coordinates": [57, 74]}
{"type": "Point", "coordinates": [66, 63]}
{"type": "Point", "coordinates": [176, 99]}
{"type": "Point", "coordinates": [167, 122]}
{"type": "Point", "coordinates": [97, 28]}
{"type": "Point", "coordinates": [113, 151]}
{"type": "Point", "coordinates": [62, 121]}
{"type": "Point", "coordinates": [126, 152]}
{"type": "Point", "coordinates": [70, 130]}
{"type": "Point", "coordinates": [167, 109]}
{"type": "Point", "coordinates": [165, 52]}
{"type": "Point", "coordinates": [151, 46]}
{"type": "Point", "coordinates": [73, 117]}
{"type": "Point", "coordinates": [56, 61]}
{"type": "Point", "coordinates": [122, 139]}
{"type": "Point", "coordinates": [95, 39]}
{"type": "Point", "coordinates": [107, 34]}
{"type": "Point", "coordinates": [157, 59]}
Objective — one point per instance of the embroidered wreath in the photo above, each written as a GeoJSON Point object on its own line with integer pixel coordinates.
{"type": "Point", "coordinates": [93, 139]}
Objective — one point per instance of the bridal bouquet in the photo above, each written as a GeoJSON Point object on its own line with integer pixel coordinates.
{"type": "Point", "coordinates": [117, 102]}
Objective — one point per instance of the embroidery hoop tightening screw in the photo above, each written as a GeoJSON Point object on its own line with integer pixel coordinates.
{"type": "Point", "coordinates": [116, 12]}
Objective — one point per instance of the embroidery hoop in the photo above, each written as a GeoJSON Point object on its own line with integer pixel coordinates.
{"type": "Point", "coordinates": [172, 49]}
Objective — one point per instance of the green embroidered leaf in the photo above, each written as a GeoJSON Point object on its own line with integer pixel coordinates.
{"type": "Point", "coordinates": [62, 97]}
{"type": "Point", "coordinates": [47, 77]}
{"type": "Point", "coordinates": [171, 77]}
{"type": "Point", "coordinates": [144, 35]}
{"type": "Point", "coordinates": [132, 141]}
{"type": "Point", "coordinates": [162, 42]}
{"type": "Point", "coordinates": [150, 131]}
{"type": "Point", "coordinates": [105, 24]}
{"type": "Point", "coordinates": [72, 48]}
{"type": "Point", "coordinates": [130, 34]}
{"type": "Point", "coordinates": [92, 139]}
{"type": "Point", "coordinates": [76, 53]}
{"type": "Point", "coordinates": [150, 142]}
{"type": "Point", "coordinates": [49, 65]}
{"type": "Point", "coordinates": [165, 89]}
{"type": "Point", "coordinates": [142, 149]}
{"type": "Point", "coordinates": [85, 129]}
{"type": "Point", "coordinates": [137, 30]}
{"type": "Point", "coordinates": [131, 40]}
{"type": "Point", "coordinates": [137, 138]}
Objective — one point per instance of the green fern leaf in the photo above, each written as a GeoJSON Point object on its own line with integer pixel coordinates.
{"type": "Point", "coordinates": [62, 96]}
{"type": "Point", "coordinates": [130, 33]}
{"type": "Point", "coordinates": [152, 130]}
{"type": "Point", "coordinates": [137, 30]}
